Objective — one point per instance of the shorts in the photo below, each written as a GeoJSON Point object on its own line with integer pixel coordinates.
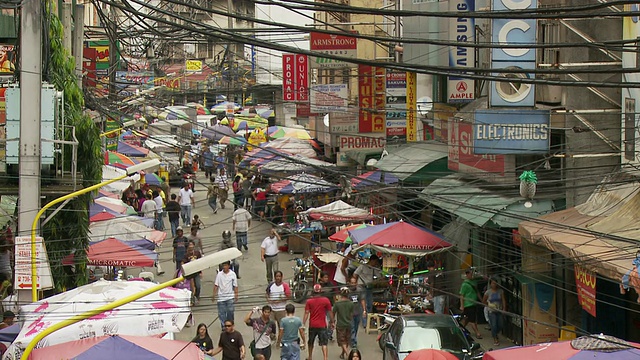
{"type": "Point", "coordinates": [321, 333]}
{"type": "Point", "coordinates": [343, 336]}
{"type": "Point", "coordinates": [471, 313]}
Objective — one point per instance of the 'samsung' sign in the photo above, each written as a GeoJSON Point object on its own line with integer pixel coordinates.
{"type": "Point", "coordinates": [513, 31]}
{"type": "Point", "coordinates": [461, 30]}
{"type": "Point", "coordinates": [511, 131]}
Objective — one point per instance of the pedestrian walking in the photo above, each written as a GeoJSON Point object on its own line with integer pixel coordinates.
{"type": "Point", "coordinates": [220, 161]}
{"type": "Point", "coordinates": [180, 243]}
{"type": "Point", "coordinates": [359, 310]}
{"type": "Point", "coordinates": [223, 188]}
{"type": "Point", "coordinates": [159, 222]}
{"type": "Point", "coordinates": [203, 340]}
{"type": "Point", "coordinates": [187, 202]}
{"type": "Point", "coordinates": [208, 157]}
{"type": "Point", "coordinates": [260, 203]}
{"type": "Point", "coordinates": [247, 195]}
{"type": "Point", "coordinates": [212, 194]}
{"type": "Point", "coordinates": [496, 303]}
{"type": "Point", "coordinates": [194, 254]}
{"type": "Point", "coordinates": [241, 224]}
{"type": "Point", "coordinates": [195, 237]}
{"type": "Point", "coordinates": [225, 292]}
{"type": "Point", "coordinates": [343, 313]}
{"type": "Point", "coordinates": [316, 310]}
{"type": "Point", "coordinates": [173, 209]}
{"type": "Point", "coordinates": [226, 244]}
{"type": "Point", "coordinates": [288, 340]}
{"type": "Point", "coordinates": [278, 293]}
{"type": "Point", "coordinates": [237, 193]}
{"type": "Point", "coordinates": [269, 253]}
{"type": "Point", "coordinates": [231, 343]}
{"type": "Point", "coordinates": [469, 298]}
{"type": "Point", "coordinates": [264, 331]}
{"type": "Point", "coordinates": [148, 208]}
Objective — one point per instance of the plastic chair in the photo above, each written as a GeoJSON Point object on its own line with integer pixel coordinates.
{"type": "Point", "coordinates": [372, 318]}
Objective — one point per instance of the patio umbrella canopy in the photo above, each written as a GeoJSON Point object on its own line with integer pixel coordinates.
{"type": "Point", "coordinates": [111, 158]}
{"type": "Point", "coordinates": [301, 184]}
{"type": "Point", "coordinates": [293, 146]}
{"type": "Point", "coordinates": [217, 132]}
{"type": "Point", "coordinates": [98, 212]}
{"type": "Point", "coordinates": [120, 347]}
{"type": "Point", "coordinates": [233, 140]}
{"type": "Point", "coordinates": [164, 311]}
{"type": "Point", "coordinates": [402, 238]}
{"type": "Point", "coordinates": [343, 235]}
{"type": "Point", "coordinates": [115, 205]}
{"type": "Point", "coordinates": [131, 150]}
{"type": "Point", "coordinates": [277, 132]}
{"type": "Point", "coordinates": [125, 228]}
{"type": "Point", "coordinates": [338, 211]}
{"type": "Point", "coordinates": [238, 122]}
{"type": "Point", "coordinates": [293, 164]}
{"type": "Point", "coordinates": [114, 252]}
{"type": "Point", "coordinates": [430, 354]}
{"type": "Point", "coordinates": [152, 179]}
{"type": "Point", "coordinates": [373, 178]}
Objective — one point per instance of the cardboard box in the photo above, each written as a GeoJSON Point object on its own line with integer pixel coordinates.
{"type": "Point", "coordinates": [532, 309]}
{"type": "Point", "coordinates": [536, 333]}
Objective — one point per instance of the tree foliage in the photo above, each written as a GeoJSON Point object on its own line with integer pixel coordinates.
{"type": "Point", "coordinates": [68, 229]}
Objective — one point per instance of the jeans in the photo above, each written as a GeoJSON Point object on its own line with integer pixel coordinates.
{"type": "Point", "coordinates": [213, 203]}
{"type": "Point", "coordinates": [241, 239]}
{"type": "Point", "coordinates": [438, 304]}
{"type": "Point", "coordinates": [368, 301]}
{"type": "Point", "coordinates": [272, 266]}
{"type": "Point", "coordinates": [225, 311]}
{"type": "Point", "coordinates": [158, 224]}
{"type": "Point", "coordinates": [290, 351]}
{"type": "Point", "coordinates": [185, 212]}
{"type": "Point", "coordinates": [355, 322]}
{"type": "Point", "coordinates": [174, 225]}
{"type": "Point", "coordinates": [237, 201]}
{"type": "Point", "coordinates": [266, 352]}
{"type": "Point", "coordinates": [196, 293]}
{"type": "Point", "coordinates": [495, 321]}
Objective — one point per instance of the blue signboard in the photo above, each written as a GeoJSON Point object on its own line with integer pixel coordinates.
{"type": "Point", "coordinates": [517, 131]}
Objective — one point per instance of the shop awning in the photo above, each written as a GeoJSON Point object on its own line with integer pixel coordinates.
{"type": "Point", "coordinates": [602, 234]}
{"type": "Point", "coordinates": [362, 156]}
{"type": "Point", "coordinates": [480, 206]}
{"type": "Point", "coordinates": [416, 161]}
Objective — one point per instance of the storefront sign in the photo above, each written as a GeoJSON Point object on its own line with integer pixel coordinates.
{"type": "Point", "coordinates": [23, 264]}
{"type": "Point", "coordinates": [371, 98]}
{"type": "Point", "coordinates": [396, 90]}
{"type": "Point", "coordinates": [7, 59]}
{"type": "Point", "coordinates": [192, 66]}
{"type": "Point", "coordinates": [329, 97]}
{"type": "Point", "coordinates": [461, 30]}
{"type": "Point", "coordinates": [396, 128]}
{"type": "Point", "coordinates": [343, 122]}
{"type": "Point", "coordinates": [513, 31]}
{"type": "Point", "coordinates": [295, 77]}
{"type": "Point", "coordinates": [339, 45]}
{"type": "Point", "coordinates": [461, 154]}
{"type": "Point", "coordinates": [511, 131]}
{"type": "Point", "coordinates": [586, 286]}
{"type": "Point", "coordinates": [362, 141]}
{"type": "Point", "coordinates": [303, 110]}
{"type": "Point", "coordinates": [412, 120]}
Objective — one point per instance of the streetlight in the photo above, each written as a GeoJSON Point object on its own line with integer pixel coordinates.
{"type": "Point", "coordinates": [34, 271]}
{"type": "Point", "coordinates": [190, 268]}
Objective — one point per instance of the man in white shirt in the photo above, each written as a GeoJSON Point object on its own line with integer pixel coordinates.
{"type": "Point", "coordinates": [278, 292]}
{"type": "Point", "coordinates": [226, 290]}
{"type": "Point", "coordinates": [269, 253]}
{"type": "Point", "coordinates": [148, 208]}
{"type": "Point", "coordinates": [241, 224]}
{"type": "Point", "coordinates": [187, 202]}
{"type": "Point", "coordinates": [159, 225]}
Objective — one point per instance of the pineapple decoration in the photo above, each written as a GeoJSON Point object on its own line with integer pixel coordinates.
{"type": "Point", "coordinates": [528, 181]}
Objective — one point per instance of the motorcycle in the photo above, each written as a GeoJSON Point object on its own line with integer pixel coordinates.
{"type": "Point", "coordinates": [302, 279]}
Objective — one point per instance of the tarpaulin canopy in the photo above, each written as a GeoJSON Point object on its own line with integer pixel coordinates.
{"type": "Point", "coordinates": [294, 164]}
{"type": "Point", "coordinates": [292, 145]}
{"type": "Point", "coordinates": [98, 212]}
{"type": "Point", "coordinates": [125, 228]}
{"type": "Point", "coordinates": [114, 252]}
{"type": "Point", "coordinates": [131, 150]}
{"type": "Point", "coordinates": [373, 178]}
{"type": "Point", "coordinates": [403, 238]}
{"type": "Point", "coordinates": [110, 172]}
{"type": "Point", "coordinates": [301, 184]}
{"type": "Point", "coordinates": [338, 211]}
{"type": "Point", "coordinates": [217, 132]}
{"type": "Point", "coordinates": [343, 235]}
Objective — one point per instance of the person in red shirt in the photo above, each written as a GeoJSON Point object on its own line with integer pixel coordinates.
{"type": "Point", "coordinates": [316, 310]}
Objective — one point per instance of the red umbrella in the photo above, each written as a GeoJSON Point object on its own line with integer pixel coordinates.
{"type": "Point", "coordinates": [114, 252]}
{"type": "Point", "coordinates": [404, 236]}
{"type": "Point", "coordinates": [430, 354]}
{"type": "Point", "coordinates": [343, 234]}
{"type": "Point", "coordinates": [601, 347]}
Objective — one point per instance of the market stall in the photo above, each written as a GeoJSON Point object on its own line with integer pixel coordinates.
{"type": "Point", "coordinates": [338, 212]}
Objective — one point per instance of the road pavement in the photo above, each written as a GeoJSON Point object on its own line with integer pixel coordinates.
{"type": "Point", "coordinates": [253, 282]}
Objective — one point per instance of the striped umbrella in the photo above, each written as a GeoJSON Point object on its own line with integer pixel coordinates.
{"type": "Point", "coordinates": [200, 109]}
{"type": "Point", "coordinates": [152, 179]}
{"type": "Point", "coordinates": [343, 235]}
{"type": "Point", "coordinates": [111, 157]}
{"type": "Point", "coordinates": [277, 132]}
{"type": "Point", "coordinates": [236, 140]}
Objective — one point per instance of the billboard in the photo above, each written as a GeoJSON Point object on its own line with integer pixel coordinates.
{"type": "Point", "coordinates": [511, 131]}
{"type": "Point", "coordinates": [7, 59]}
{"type": "Point", "coordinates": [329, 97]}
{"type": "Point", "coordinates": [396, 90]}
{"type": "Point", "coordinates": [193, 66]}
{"type": "Point", "coordinates": [412, 116]}
{"type": "Point", "coordinates": [339, 45]}
{"type": "Point", "coordinates": [295, 77]}
{"type": "Point", "coordinates": [630, 96]}
{"type": "Point", "coordinates": [510, 92]}
{"type": "Point", "coordinates": [461, 30]}
{"type": "Point", "coordinates": [362, 141]}
{"type": "Point", "coordinates": [371, 98]}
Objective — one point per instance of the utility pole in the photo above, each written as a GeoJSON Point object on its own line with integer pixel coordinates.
{"type": "Point", "coordinates": [66, 25]}
{"type": "Point", "coordinates": [78, 41]}
{"type": "Point", "coordinates": [113, 53]}
{"type": "Point", "coordinates": [230, 52]}
{"type": "Point", "coordinates": [30, 119]}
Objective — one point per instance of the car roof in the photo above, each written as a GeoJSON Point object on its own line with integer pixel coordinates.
{"type": "Point", "coordinates": [428, 320]}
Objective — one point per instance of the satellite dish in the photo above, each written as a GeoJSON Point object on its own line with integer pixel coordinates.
{"type": "Point", "coordinates": [326, 120]}
{"type": "Point", "coordinates": [424, 105]}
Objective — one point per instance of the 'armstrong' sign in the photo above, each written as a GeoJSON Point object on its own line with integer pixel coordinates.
{"type": "Point", "coordinates": [511, 131]}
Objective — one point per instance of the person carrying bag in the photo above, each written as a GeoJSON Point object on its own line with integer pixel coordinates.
{"type": "Point", "coordinates": [260, 344]}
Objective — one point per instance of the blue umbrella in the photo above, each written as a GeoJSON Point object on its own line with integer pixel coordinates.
{"type": "Point", "coordinates": [359, 235]}
{"type": "Point", "coordinates": [10, 333]}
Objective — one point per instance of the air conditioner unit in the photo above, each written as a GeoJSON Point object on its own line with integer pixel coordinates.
{"type": "Point", "coordinates": [549, 94]}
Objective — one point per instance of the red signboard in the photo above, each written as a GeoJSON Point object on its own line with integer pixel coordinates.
{"type": "Point", "coordinates": [461, 156]}
{"type": "Point", "coordinates": [295, 77]}
{"type": "Point", "coordinates": [372, 98]}
{"type": "Point", "coordinates": [331, 42]}
{"type": "Point", "coordinates": [586, 286]}
{"type": "Point", "coordinates": [303, 110]}
{"type": "Point", "coordinates": [397, 131]}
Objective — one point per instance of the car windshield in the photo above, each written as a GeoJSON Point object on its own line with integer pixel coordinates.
{"type": "Point", "coordinates": [445, 338]}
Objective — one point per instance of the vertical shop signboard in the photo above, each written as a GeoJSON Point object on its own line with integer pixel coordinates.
{"type": "Point", "coordinates": [412, 126]}
{"type": "Point", "coordinates": [586, 286]}
{"type": "Point", "coordinates": [371, 99]}
{"type": "Point", "coordinates": [295, 77]}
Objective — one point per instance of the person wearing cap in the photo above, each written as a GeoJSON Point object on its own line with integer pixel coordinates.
{"type": "Point", "coordinates": [180, 243]}
{"type": "Point", "coordinates": [343, 313]}
{"type": "Point", "coordinates": [8, 318]}
{"type": "Point", "coordinates": [366, 274]}
{"type": "Point", "coordinates": [316, 310]}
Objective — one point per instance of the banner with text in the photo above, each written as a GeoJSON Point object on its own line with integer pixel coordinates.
{"type": "Point", "coordinates": [329, 97]}
{"type": "Point", "coordinates": [23, 264]}
{"type": "Point", "coordinates": [339, 45]}
{"type": "Point", "coordinates": [396, 89]}
{"type": "Point", "coordinates": [461, 30]}
{"type": "Point", "coordinates": [371, 98]}
{"type": "Point", "coordinates": [412, 116]}
{"type": "Point", "coordinates": [362, 141]}
{"type": "Point", "coordinates": [586, 286]}
{"type": "Point", "coordinates": [295, 77]}
{"type": "Point", "coordinates": [511, 131]}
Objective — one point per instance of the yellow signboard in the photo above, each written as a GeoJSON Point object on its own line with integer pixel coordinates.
{"type": "Point", "coordinates": [193, 65]}
{"type": "Point", "coordinates": [412, 128]}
